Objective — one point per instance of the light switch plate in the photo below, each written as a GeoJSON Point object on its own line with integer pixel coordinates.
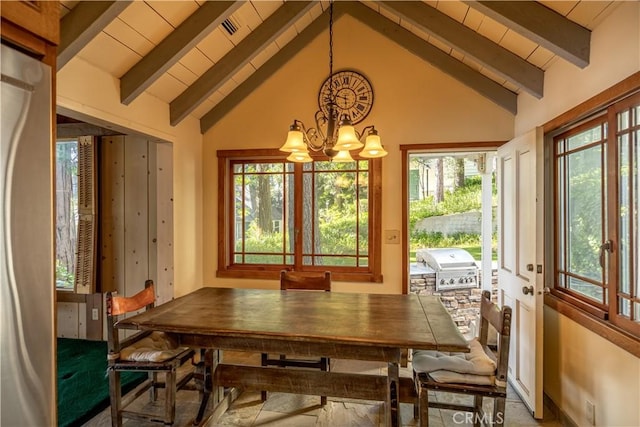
{"type": "Point", "coordinates": [392, 236]}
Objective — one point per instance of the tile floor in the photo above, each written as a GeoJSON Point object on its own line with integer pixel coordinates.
{"type": "Point", "coordinates": [287, 410]}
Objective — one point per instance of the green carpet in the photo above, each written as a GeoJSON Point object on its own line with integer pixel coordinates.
{"type": "Point", "coordinates": [83, 386]}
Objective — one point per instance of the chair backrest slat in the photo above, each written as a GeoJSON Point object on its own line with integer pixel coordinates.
{"type": "Point", "coordinates": [118, 305]}
{"type": "Point", "coordinates": [310, 281]}
{"type": "Point", "coordinates": [500, 319]}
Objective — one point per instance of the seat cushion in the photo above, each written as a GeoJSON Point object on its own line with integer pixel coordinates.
{"type": "Point", "coordinates": [474, 367]}
{"type": "Point", "coordinates": [155, 347]}
{"type": "Point", "coordinates": [456, 378]}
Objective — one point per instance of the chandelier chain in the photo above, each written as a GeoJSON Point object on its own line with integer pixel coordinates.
{"type": "Point", "coordinates": [338, 138]}
{"type": "Point", "coordinates": [331, 50]}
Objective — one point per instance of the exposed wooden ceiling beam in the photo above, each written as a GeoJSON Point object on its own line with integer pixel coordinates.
{"type": "Point", "coordinates": [490, 55]}
{"type": "Point", "coordinates": [285, 16]}
{"type": "Point", "coordinates": [276, 62]}
{"type": "Point", "coordinates": [169, 51]}
{"type": "Point", "coordinates": [82, 24]}
{"type": "Point", "coordinates": [546, 27]}
{"type": "Point", "coordinates": [439, 59]}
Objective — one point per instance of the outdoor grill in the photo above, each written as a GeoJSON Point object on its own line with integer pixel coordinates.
{"type": "Point", "coordinates": [455, 268]}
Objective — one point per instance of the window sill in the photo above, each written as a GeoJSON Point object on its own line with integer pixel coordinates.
{"type": "Point", "coordinates": [599, 326]}
{"type": "Point", "coordinates": [336, 276]}
{"type": "Point", "coordinates": [69, 296]}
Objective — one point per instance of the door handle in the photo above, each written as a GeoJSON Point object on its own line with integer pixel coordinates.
{"type": "Point", "coordinates": [527, 290]}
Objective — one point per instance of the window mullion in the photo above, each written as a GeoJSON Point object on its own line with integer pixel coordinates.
{"type": "Point", "coordinates": [611, 214]}
{"type": "Point", "coordinates": [298, 211]}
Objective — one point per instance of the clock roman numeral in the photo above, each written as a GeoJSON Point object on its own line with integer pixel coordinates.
{"type": "Point", "coordinates": [360, 107]}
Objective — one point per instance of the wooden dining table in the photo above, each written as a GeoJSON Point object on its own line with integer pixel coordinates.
{"type": "Point", "coordinates": [374, 327]}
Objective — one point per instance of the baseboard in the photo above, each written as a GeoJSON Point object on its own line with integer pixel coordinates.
{"type": "Point", "coordinates": [560, 415]}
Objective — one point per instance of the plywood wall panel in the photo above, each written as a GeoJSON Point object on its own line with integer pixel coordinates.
{"type": "Point", "coordinates": [164, 221]}
{"type": "Point", "coordinates": [152, 239]}
{"type": "Point", "coordinates": [112, 275]}
{"type": "Point", "coordinates": [68, 320]}
{"type": "Point", "coordinates": [136, 212]}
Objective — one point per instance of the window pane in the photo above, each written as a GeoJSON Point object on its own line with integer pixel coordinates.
{"type": "Point", "coordinates": [584, 138]}
{"type": "Point", "coordinates": [580, 206]}
{"type": "Point", "coordinates": [589, 289]}
{"type": "Point", "coordinates": [66, 213]}
{"type": "Point", "coordinates": [626, 212]}
{"type": "Point", "coordinates": [260, 215]}
{"type": "Point", "coordinates": [335, 223]}
{"type": "Point", "coordinates": [584, 198]}
{"type": "Point", "coordinates": [628, 285]}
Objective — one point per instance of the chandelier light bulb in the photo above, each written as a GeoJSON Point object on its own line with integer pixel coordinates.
{"type": "Point", "coordinates": [299, 157]}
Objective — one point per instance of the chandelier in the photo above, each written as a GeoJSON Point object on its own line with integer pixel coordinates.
{"type": "Point", "coordinates": [334, 136]}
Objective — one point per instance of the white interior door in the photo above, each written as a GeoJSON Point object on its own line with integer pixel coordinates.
{"type": "Point", "coordinates": [519, 255]}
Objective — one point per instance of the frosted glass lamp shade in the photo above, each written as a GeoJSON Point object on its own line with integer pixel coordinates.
{"type": "Point", "coordinates": [347, 139]}
{"type": "Point", "coordinates": [343, 157]}
{"type": "Point", "coordinates": [295, 141]}
{"type": "Point", "coordinates": [373, 147]}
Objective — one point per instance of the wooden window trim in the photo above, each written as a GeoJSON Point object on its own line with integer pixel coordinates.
{"type": "Point", "coordinates": [593, 321]}
{"type": "Point", "coordinates": [273, 272]}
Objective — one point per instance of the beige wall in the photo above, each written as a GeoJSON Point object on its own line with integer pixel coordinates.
{"type": "Point", "coordinates": [615, 54]}
{"type": "Point", "coordinates": [413, 103]}
{"type": "Point", "coordinates": [97, 100]}
{"type": "Point", "coordinates": [578, 364]}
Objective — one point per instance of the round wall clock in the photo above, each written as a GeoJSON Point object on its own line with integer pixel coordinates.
{"type": "Point", "coordinates": [353, 95]}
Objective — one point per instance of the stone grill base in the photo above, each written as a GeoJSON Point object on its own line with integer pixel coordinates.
{"type": "Point", "coordinates": [463, 304]}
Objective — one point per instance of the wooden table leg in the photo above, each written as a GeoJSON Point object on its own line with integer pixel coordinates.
{"type": "Point", "coordinates": [392, 405]}
{"type": "Point", "coordinates": [204, 380]}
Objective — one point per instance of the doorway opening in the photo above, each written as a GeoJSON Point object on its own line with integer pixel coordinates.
{"type": "Point", "coordinates": [452, 229]}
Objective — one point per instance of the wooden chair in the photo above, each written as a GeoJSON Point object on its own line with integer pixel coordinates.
{"type": "Point", "coordinates": [487, 376]}
{"type": "Point", "coordinates": [145, 351]}
{"type": "Point", "coordinates": [301, 281]}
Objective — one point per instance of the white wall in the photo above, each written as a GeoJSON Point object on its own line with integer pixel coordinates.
{"type": "Point", "coordinates": [578, 364]}
{"type": "Point", "coordinates": [413, 103]}
{"type": "Point", "coordinates": [97, 100]}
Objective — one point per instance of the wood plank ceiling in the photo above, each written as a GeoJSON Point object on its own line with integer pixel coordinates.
{"type": "Point", "coordinates": [204, 57]}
